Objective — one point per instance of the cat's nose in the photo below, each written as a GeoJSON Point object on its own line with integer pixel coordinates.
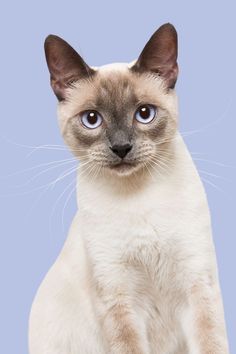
{"type": "Point", "coordinates": [121, 150]}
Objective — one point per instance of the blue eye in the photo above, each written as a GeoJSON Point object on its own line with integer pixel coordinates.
{"type": "Point", "coordinates": [91, 119]}
{"type": "Point", "coordinates": [145, 113]}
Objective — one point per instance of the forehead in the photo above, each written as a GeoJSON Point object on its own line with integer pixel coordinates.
{"type": "Point", "coordinates": [114, 89]}
{"type": "Point", "coordinates": [116, 93]}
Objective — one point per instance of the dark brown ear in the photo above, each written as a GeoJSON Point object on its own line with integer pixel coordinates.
{"type": "Point", "coordinates": [65, 65]}
{"type": "Point", "coordinates": [160, 55]}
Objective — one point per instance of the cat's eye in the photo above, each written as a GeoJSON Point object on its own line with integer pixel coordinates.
{"type": "Point", "coordinates": [145, 113]}
{"type": "Point", "coordinates": [91, 119]}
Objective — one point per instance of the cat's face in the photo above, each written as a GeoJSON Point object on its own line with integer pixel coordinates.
{"type": "Point", "coordinates": [119, 118]}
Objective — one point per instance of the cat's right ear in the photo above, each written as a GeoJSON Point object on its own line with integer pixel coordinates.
{"type": "Point", "coordinates": [65, 65]}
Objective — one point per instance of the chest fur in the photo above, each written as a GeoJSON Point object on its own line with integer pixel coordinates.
{"type": "Point", "coordinates": [151, 245]}
{"type": "Point", "coordinates": [160, 232]}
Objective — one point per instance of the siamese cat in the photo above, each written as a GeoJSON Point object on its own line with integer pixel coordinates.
{"type": "Point", "coordinates": [138, 272]}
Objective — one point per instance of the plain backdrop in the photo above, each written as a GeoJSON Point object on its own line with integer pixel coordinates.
{"type": "Point", "coordinates": [35, 212]}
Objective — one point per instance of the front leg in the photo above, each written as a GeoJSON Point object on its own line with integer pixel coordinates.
{"type": "Point", "coordinates": [204, 321]}
{"type": "Point", "coordinates": [123, 330]}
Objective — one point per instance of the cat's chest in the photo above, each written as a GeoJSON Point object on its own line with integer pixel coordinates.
{"type": "Point", "coordinates": [133, 236]}
{"type": "Point", "coordinates": [138, 250]}
{"type": "Point", "coordinates": [160, 222]}
{"type": "Point", "coordinates": [147, 241]}
{"type": "Point", "coordinates": [146, 218]}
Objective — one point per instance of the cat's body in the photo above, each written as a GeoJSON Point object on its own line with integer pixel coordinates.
{"type": "Point", "coordinates": [137, 274]}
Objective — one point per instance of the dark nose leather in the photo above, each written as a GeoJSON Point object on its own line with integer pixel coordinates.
{"type": "Point", "coordinates": [121, 150]}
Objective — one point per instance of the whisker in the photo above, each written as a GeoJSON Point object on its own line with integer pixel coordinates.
{"type": "Point", "coordinates": [82, 171]}
{"type": "Point", "coordinates": [44, 171]}
{"type": "Point", "coordinates": [45, 147]}
{"type": "Point", "coordinates": [65, 204]}
{"type": "Point", "coordinates": [216, 121]}
{"type": "Point", "coordinates": [70, 171]}
{"type": "Point", "coordinates": [155, 166]}
{"type": "Point", "coordinates": [57, 201]}
{"type": "Point", "coordinates": [15, 143]}
{"type": "Point", "coordinates": [52, 183]}
{"type": "Point", "coordinates": [162, 163]}
{"type": "Point", "coordinates": [37, 166]}
{"type": "Point", "coordinates": [213, 162]}
{"type": "Point", "coordinates": [212, 184]}
{"type": "Point", "coordinates": [54, 147]}
{"type": "Point", "coordinates": [163, 153]}
{"type": "Point", "coordinates": [161, 142]}
{"type": "Point", "coordinates": [197, 153]}
{"type": "Point", "coordinates": [212, 175]}
{"type": "Point", "coordinates": [146, 166]}
{"type": "Point", "coordinates": [156, 162]}
{"type": "Point", "coordinates": [36, 202]}
{"type": "Point", "coordinates": [93, 172]}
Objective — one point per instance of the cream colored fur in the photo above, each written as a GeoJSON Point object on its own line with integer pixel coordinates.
{"type": "Point", "coordinates": [137, 273]}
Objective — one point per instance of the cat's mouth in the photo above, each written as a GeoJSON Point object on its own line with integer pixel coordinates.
{"type": "Point", "coordinates": [123, 167]}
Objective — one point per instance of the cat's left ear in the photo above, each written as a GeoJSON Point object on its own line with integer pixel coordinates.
{"type": "Point", "coordinates": [160, 55]}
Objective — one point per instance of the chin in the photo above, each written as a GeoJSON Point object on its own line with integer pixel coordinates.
{"type": "Point", "coordinates": [124, 169]}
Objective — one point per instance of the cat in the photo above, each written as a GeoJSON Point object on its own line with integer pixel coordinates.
{"type": "Point", "coordinates": [137, 273]}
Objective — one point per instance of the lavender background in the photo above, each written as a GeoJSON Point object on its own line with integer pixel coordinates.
{"type": "Point", "coordinates": [104, 31]}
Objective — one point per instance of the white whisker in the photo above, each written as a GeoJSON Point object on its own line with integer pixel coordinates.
{"type": "Point", "coordinates": [161, 163]}
{"type": "Point", "coordinates": [65, 204]}
{"type": "Point", "coordinates": [214, 162]}
{"type": "Point", "coordinates": [212, 184]}
{"type": "Point", "coordinates": [37, 166]}
{"type": "Point", "coordinates": [156, 163]}
{"type": "Point", "coordinates": [44, 171]}
{"type": "Point", "coordinates": [216, 121]}
{"type": "Point", "coordinates": [57, 201]}
{"type": "Point", "coordinates": [155, 166]}
{"type": "Point", "coordinates": [212, 174]}
{"type": "Point", "coordinates": [146, 166]}
{"type": "Point", "coordinates": [52, 183]}
{"type": "Point", "coordinates": [70, 171]}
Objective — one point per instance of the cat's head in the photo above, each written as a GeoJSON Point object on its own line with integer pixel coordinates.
{"type": "Point", "coordinates": [118, 118]}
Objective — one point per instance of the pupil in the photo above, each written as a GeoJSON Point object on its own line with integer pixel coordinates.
{"type": "Point", "coordinates": [144, 112]}
{"type": "Point", "coordinates": [92, 118]}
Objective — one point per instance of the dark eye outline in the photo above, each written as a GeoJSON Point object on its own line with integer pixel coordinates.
{"type": "Point", "coordinates": [153, 111]}
{"type": "Point", "coordinates": [84, 119]}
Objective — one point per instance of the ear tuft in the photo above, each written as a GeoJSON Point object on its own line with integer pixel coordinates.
{"type": "Point", "coordinates": [65, 65]}
{"type": "Point", "coordinates": [160, 55]}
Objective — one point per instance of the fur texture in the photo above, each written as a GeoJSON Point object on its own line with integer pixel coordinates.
{"type": "Point", "coordinates": [137, 273]}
